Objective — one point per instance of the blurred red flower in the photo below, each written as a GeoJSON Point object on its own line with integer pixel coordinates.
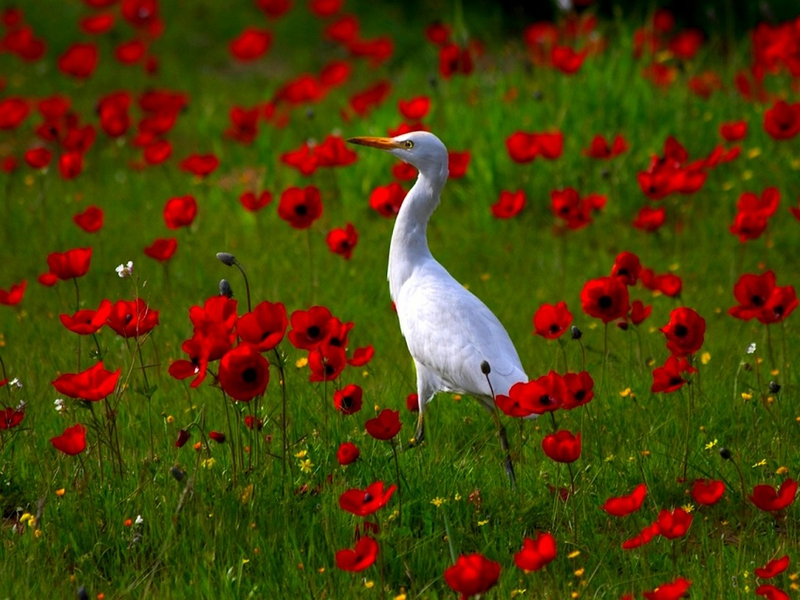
{"type": "Point", "coordinates": [130, 52]}
{"type": "Point", "coordinates": [650, 219]}
{"type": "Point", "coordinates": [733, 131]}
{"type": "Point", "coordinates": [180, 211]}
{"type": "Point", "coordinates": [93, 384]}
{"type": "Point", "coordinates": [70, 264]}
{"type": "Point", "coordinates": [263, 327]}
{"type": "Point", "coordinates": [782, 120]}
{"type": "Point", "coordinates": [251, 44]}
{"type": "Point", "coordinates": [10, 418]}
{"type": "Point", "coordinates": [645, 536]}
{"type": "Point", "coordinates": [674, 524]}
{"type": "Point", "coordinates": [72, 441]}
{"type": "Point", "coordinates": [536, 553]}
{"type": "Point", "coordinates": [183, 437]}
{"type": "Point", "coordinates": [624, 505]}
{"type": "Point", "coordinates": [387, 199]}
{"type": "Point", "coordinates": [509, 204]}
{"type": "Point", "coordinates": [157, 151]}
{"type": "Point", "coordinates": [768, 499]}
{"type": "Point", "coordinates": [200, 165]}
{"type": "Point", "coordinates": [707, 491]}
{"type": "Point", "coordinates": [773, 568]}
{"type": "Point", "coordinates": [217, 436]}
{"type": "Point", "coordinates": [38, 158]}
{"type": "Point", "coordinates": [342, 240]}
{"type": "Point", "coordinates": [770, 592]}
{"type": "Point", "coordinates": [362, 557]}
{"type": "Point", "coordinates": [669, 591]}
{"type": "Point", "coordinates": [87, 321]}
{"type": "Point", "coordinates": [255, 203]}
{"type": "Point", "coordinates": [668, 378]}
{"type": "Point", "coordinates": [162, 249]}
{"type": "Point", "coordinates": [300, 207]}
{"type": "Point", "coordinates": [347, 453]}
{"type": "Point", "coordinates": [415, 108]}
{"type": "Point", "coordinates": [243, 372]}
{"type": "Point", "coordinates": [601, 149]}
{"type": "Point", "coordinates": [458, 162]}
{"type": "Point", "coordinates": [348, 400]}
{"type": "Point", "coordinates": [566, 59]}
{"type": "Point", "coordinates": [79, 60]}
{"type": "Point", "coordinates": [472, 574]}
{"type": "Point", "coordinates": [685, 331]}
{"type": "Point", "coordinates": [365, 502]}
{"type": "Point", "coordinates": [552, 320]}
{"type": "Point", "coordinates": [385, 426]}
{"type": "Point", "coordinates": [132, 318]}
{"type": "Point", "coordinates": [13, 112]}
{"type": "Point", "coordinates": [14, 294]}
{"type": "Point", "coordinates": [90, 220]}
{"type": "Point", "coordinates": [562, 446]}
{"type": "Point", "coordinates": [97, 24]}
{"type": "Point", "coordinates": [639, 312]}
{"type": "Point", "coordinates": [70, 164]}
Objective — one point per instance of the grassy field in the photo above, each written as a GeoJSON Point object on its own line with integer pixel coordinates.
{"type": "Point", "coordinates": [258, 515]}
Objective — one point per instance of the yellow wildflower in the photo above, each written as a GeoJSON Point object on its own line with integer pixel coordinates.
{"type": "Point", "coordinates": [437, 502]}
{"type": "Point", "coordinates": [306, 466]}
{"type": "Point", "coordinates": [711, 444]}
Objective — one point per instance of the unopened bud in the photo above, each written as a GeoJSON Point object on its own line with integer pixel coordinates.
{"type": "Point", "coordinates": [725, 453]}
{"type": "Point", "coordinates": [774, 387]}
{"type": "Point", "coordinates": [226, 258]}
{"type": "Point", "coordinates": [225, 288]}
{"type": "Point", "coordinates": [177, 472]}
{"type": "Point", "coordinates": [82, 593]}
{"type": "Point", "coordinates": [576, 333]}
{"type": "Point", "coordinates": [485, 368]}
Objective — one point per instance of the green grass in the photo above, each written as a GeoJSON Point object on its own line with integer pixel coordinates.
{"type": "Point", "coordinates": [225, 532]}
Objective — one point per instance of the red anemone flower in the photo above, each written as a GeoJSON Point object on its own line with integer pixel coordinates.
{"type": "Point", "coordinates": [672, 590]}
{"type": "Point", "coordinates": [624, 505]}
{"type": "Point", "coordinates": [132, 318]}
{"type": "Point", "coordinates": [300, 207]}
{"type": "Point", "coordinates": [385, 426]}
{"type": "Point", "coordinates": [782, 120]}
{"type": "Point", "coordinates": [363, 503]}
{"type": "Point", "coordinates": [200, 165]}
{"type": "Point", "coordinates": [14, 294]}
{"type": "Point", "coordinates": [601, 149]}
{"type": "Point", "coordinates": [639, 312]}
{"type": "Point", "coordinates": [627, 267]}
{"type": "Point", "coordinates": [72, 441]}
{"type": "Point", "coordinates": [264, 327]}
{"type": "Point", "coordinates": [183, 437]}
{"type": "Point", "coordinates": [79, 60]}
{"type": "Point", "coordinates": [10, 418]}
{"type": "Point", "coordinates": [362, 557]}
{"type": "Point", "coordinates": [562, 446]}
{"type": "Point", "coordinates": [243, 372]}
{"type": "Point", "coordinates": [251, 44]}
{"type": "Point", "coordinates": [509, 204]}
{"type": "Point", "coordinates": [310, 327]}
{"type": "Point", "coordinates": [780, 305]}
{"type": "Point", "coordinates": [668, 378]}
{"type": "Point", "coordinates": [70, 264]}
{"type": "Point", "coordinates": [768, 499]}
{"type": "Point", "coordinates": [347, 453]}
{"type": "Point", "coordinates": [162, 249]}
{"type": "Point", "coordinates": [415, 108]}
{"type": "Point", "coordinates": [13, 112]}
{"type": "Point", "coordinates": [685, 331]}
{"type": "Point", "coordinates": [93, 384]}
{"type": "Point", "coordinates": [770, 592]}
{"type": "Point", "coordinates": [707, 491]}
{"type": "Point", "coordinates": [70, 164]}
{"type": "Point", "coordinates": [87, 321]}
{"type": "Point", "coordinates": [348, 400]}
{"type": "Point", "coordinates": [255, 203]}
{"type": "Point", "coordinates": [536, 553]}
{"type": "Point", "coordinates": [673, 524]}
{"type": "Point", "coordinates": [752, 292]}
{"type": "Point", "coordinates": [579, 390]}
{"type": "Point", "coordinates": [605, 298]}
{"type": "Point", "coordinates": [773, 568]}
{"type": "Point", "coordinates": [180, 212]}
{"type": "Point", "coordinates": [566, 59]}
{"type": "Point", "coordinates": [650, 219]}
{"type": "Point", "coordinates": [217, 436]}
{"type": "Point", "coordinates": [90, 220]}
{"type": "Point", "coordinates": [733, 131]}
{"type": "Point", "coordinates": [326, 362]}
{"type": "Point", "coordinates": [472, 574]}
{"type": "Point", "coordinates": [387, 199]}
{"type": "Point", "coordinates": [342, 240]}
{"type": "Point", "coordinates": [458, 162]}
{"type": "Point", "coordinates": [38, 158]}
{"type": "Point", "coordinates": [552, 320]}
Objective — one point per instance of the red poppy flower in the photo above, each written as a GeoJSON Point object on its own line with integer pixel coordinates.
{"type": "Point", "coordinates": [373, 96]}
{"type": "Point", "coordinates": [325, 8]}
{"type": "Point", "coordinates": [180, 212]}
{"type": "Point", "coordinates": [200, 165]}
{"type": "Point", "coordinates": [627, 268]}
{"type": "Point", "coordinates": [300, 207]}
{"type": "Point", "coordinates": [343, 30]}
{"type": "Point", "coordinates": [47, 279]}
{"type": "Point", "coordinates": [162, 249]}
{"type": "Point", "coordinates": [782, 120]}
{"type": "Point", "coordinates": [566, 59]}
{"type": "Point", "coordinates": [90, 220]}
{"type": "Point", "coordinates": [624, 505]}
{"type": "Point", "coordinates": [767, 498]}
{"type": "Point", "coordinates": [244, 124]}
{"type": "Point", "coordinates": [38, 158]}
{"type": "Point", "coordinates": [362, 557]}
{"type": "Point", "coordinates": [458, 162]}
{"type": "Point", "coordinates": [217, 436]}
{"type": "Point", "coordinates": [601, 149]}
{"type": "Point", "coordinates": [387, 199]}
{"type": "Point", "coordinates": [605, 298]}
{"type": "Point", "coordinates": [132, 318]}
{"type": "Point", "coordinates": [674, 524]}
{"type": "Point", "coordinates": [347, 453]}
{"type": "Point", "coordinates": [771, 592]}
{"type": "Point", "coordinates": [333, 152]}
{"type": "Point", "coordinates": [562, 446]}
{"type": "Point", "coordinates": [454, 60]}
{"type": "Point", "coordinates": [87, 321]}
{"type": "Point", "coordinates": [552, 320]}
{"type": "Point", "coordinates": [131, 52]}
{"type": "Point", "coordinates": [255, 203]}
{"type": "Point", "coordinates": [748, 226]}
{"type": "Point", "coordinates": [752, 292]}
{"type": "Point", "coordinates": [509, 205]}
{"type": "Point", "coordinates": [412, 402]}
{"type": "Point", "coordinates": [72, 441]}
{"type": "Point", "coordinates": [93, 384]}
{"type": "Point", "coordinates": [157, 152]}
{"type": "Point", "coordinates": [70, 165]}
{"type": "Point", "coordinates": [385, 426]}
{"type": "Point", "coordinates": [650, 219]}
{"type": "Point", "coordinates": [348, 399]}
{"type": "Point", "coordinates": [264, 327]}
{"type": "Point", "coordinates": [361, 356]}
{"type": "Point", "coordinates": [183, 437]}
{"type": "Point", "coordinates": [251, 44]}
{"type": "Point", "coordinates": [669, 591]}
{"type": "Point", "coordinates": [668, 378]}
{"type": "Point", "coordinates": [97, 24]}
{"type": "Point", "coordinates": [579, 390]}
{"type": "Point", "coordinates": [342, 240]}
{"type": "Point", "coordinates": [10, 418]}
{"type": "Point", "coordinates": [639, 312]}
{"type": "Point", "coordinates": [550, 144]}
{"type": "Point", "coordinates": [780, 305]}
{"type": "Point", "coordinates": [243, 372]}
{"type": "Point", "coordinates": [363, 503]}
{"type": "Point", "coordinates": [14, 294]}
{"type": "Point", "coordinates": [773, 568]}
{"type": "Point", "coordinates": [79, 60]}
{"type": "Point", "coordinates": [140, 13]}
{"type": "Point", "coordinates": [13, 112]}
{"type": "Point", "coordinates": [310, 328]}
{"type": "Point", "coordinates": [253, 423]}
{"type": "Point", "coordinates": [274, 8]}
{"type": "Point", "coordinates": [472, 574]}
{"type": "Point", "coordinates": [304, 159]}
{"type": "Point", "coordinates": [326, 362]}
{"type": "Point", "coordinates": [522, 147]}
{"type": "Point", "coordinates": [415, 108]}
{"type": "Point", "coordinates": [70, 264]}
{"type": "Point", "coordinates": [536, 553]}
{"type": "Point", "coordinates": [685, 331]}
{"type": "Point", "coordinates": [644, 537]}
{"type": "Point", "coordinates": [733, 131]}
{"type": "Point", "coordinates": [707, 491]}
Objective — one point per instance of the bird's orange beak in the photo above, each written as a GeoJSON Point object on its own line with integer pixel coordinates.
{"type": "Point", "coordinates": [382, 143]}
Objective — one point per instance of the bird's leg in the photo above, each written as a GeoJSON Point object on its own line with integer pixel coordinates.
{"type": "Point", "coordinates": [420, 435]}
{"type": "Point", "coordinates": [486, 369]}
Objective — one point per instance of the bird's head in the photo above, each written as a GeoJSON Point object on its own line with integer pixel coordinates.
{"type": "Point", "coordinates": [420, 149]}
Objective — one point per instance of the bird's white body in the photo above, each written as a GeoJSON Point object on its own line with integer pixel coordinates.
{"type": "Point", "coordinates": [450, 333]}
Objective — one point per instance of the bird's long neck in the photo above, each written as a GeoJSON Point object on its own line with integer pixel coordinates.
{"type": "Point", "coordinates": [409, 247]}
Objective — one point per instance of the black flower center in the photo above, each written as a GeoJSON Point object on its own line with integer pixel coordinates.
{"type": "Point", "coordinates": [301, 210]}
{"type": "Point", "coordinates": [681, 330]}
{"type": "Point", "coordinates": [554, 328]}
{"type": "Point", "coordinates": [367, 497]}
{"type": "Point", "coordinates": [347, 402]}
{"type": "Point", "coordinates": [545, 400]}
{"type": "Point", "coordinates": [580, 395]}
{"type": "Point", "coordinates": [675, 380]}
{"type": "Point", "coordinates": [249, 375]}
{"type": "Point", "coordinates": [313, 332]}
{"type": "Point", "coordinates": [605, 302]}
{"type": "Point", "coordinates": [757, 301]}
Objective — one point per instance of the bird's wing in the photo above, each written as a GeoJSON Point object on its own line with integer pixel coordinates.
{"type": "Point", "coordinates": [452, 332]}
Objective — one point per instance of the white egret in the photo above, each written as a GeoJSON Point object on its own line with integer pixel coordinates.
{"type": "Point", "coordinates": [457, 343]}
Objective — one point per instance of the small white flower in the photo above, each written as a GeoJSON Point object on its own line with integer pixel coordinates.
{"type": "Point", "coordinates": [751, 349]}
{"type": "Point", "coordinates": [59, 402]}
{"type": "Point", "coordinates": [139, 520]}
{"type": "Point", "coordinates": [16, 382]}
{"type": "Point", "coordinates": [21, 406]}
{"type": "Point", "coordinates": [125, 269]}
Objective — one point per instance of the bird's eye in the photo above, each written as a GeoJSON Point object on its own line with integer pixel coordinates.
{"type": "Point", "coordinates": [408, 144]}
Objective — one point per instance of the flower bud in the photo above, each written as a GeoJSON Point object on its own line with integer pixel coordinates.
{"type": "Point", "coordinates": [485, 368]}
{"type": "Point", "coordinates": [177, 473]}
{"type": "Point", "coordinates": [576, 333]}
{"type": "Point", "coordinates": [725, 453]}
{"type": "Point", "coordinates": [225, 288]}
{"type": "Point", "coordinates": [226, 258]}
{"type": "Point", "coordinates": [774, 387]}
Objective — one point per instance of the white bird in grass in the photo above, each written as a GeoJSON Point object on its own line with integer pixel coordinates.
{"type": "Point", "coordinates": [457, 343]}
